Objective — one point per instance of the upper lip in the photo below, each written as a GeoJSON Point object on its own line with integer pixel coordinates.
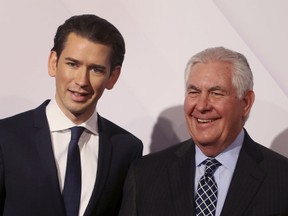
{"type": "Point", "coordinates": [79, 92]}
{"type": "Point", "coordinates": [205, 120]}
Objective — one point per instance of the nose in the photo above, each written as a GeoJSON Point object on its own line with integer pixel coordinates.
{"type": "Point", "coordinates": [82, 77]}
{"type": "Point", "coordinates": [203, 103]}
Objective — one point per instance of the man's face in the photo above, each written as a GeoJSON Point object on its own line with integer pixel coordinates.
{"type": "Point", "coordinates": [82, 72]}
{"type": "Point", "coordinates": [214, 113]}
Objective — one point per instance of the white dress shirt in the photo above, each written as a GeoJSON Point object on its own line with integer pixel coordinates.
{"type": "Point", "coordinates": [223, 175]}
{"type": "Point", "coordinates": [88, 143]}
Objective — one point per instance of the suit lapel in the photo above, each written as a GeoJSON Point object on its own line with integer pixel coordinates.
{"type": "Point", "coordinates": [43, 144]}
{"type": "Point", "coordinates": [181, 177]}
{"type": "Point", "coordinates": [103, 168]}
{"type": "Point", "coordinates": [246, 180]}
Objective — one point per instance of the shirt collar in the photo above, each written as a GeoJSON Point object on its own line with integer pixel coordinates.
{"type": "Point", "coordinates": [228, 158]}
{"type": "Point", "coordinates": [58, 121]}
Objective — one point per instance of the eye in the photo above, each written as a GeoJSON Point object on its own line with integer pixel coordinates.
{"type": "Point", "coordinates": [72, 64]}
{"type": "Point", "coordinates": [193, 92]}
{"type": "Point", "coordinates": [217, 93]}
{"type": "Point", "coordinates": [97, 70]}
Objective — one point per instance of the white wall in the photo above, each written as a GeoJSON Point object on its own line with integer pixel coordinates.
{"type": "Point", "coordinates": [161, 35]}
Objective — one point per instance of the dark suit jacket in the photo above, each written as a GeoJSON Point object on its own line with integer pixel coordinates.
{"type": "Point", "coordinates": [29, 182]}
{"type": "Point", "coordinates": [162, 184]}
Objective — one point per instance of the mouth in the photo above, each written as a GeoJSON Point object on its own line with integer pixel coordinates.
{"type": "Point", "coordinates": [204, 120]}
{"type": "Point", "coordinates": [79, 96]}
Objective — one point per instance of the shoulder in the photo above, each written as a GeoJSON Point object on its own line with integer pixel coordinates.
{"type": "Point", "coordinates": [156, 166]}
{"type": "Point", "coordinates": [273, 159]}
{"type": "Point", "coordinates": [267, 158]}
{"type": "Point", "coordinates": [120, 138]}
{"type": "Point", "coordinates": [23, 119]}
{"type": "Point", "coordinates": [105, 124]}
{"type": "Point", "coordinates": [168, 156]}
{"type": "Point", "coordinates": [111, 129]}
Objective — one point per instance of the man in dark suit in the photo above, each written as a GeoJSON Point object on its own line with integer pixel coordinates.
{"type": "Point", "coordinates": [86, 59]}
{"type": "Point", "coordinates": [221, 170]}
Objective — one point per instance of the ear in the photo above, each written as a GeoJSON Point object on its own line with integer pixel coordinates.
{"type": "Point", "coordinates": [248, 100]}
{"type": "Point", "coordinates": [115, 73]}
{"type": "Point", "coordinates": [52, 64]}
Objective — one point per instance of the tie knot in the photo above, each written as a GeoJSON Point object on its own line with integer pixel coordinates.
{"type": "Point", "coordinates": [211, 165]}
{"type": "Point", "coordinates": [76, 132]}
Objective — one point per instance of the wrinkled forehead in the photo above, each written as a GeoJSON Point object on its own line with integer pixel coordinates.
{"type": "Point", "coordinates": [210, 76]}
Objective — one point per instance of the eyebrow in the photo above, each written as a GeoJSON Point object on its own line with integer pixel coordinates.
{"type": "Point", "coordinates": [90, 66]}
{"type": "Point", "coordinates": [213, 88]}
{"type": "Point", "coordinates": [72, 59]}
{"type": "Point", "coordinates": [192, 87]}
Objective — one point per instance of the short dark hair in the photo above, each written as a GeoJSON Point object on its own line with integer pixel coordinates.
{"type": "Point", "coordinates": [95, 29]}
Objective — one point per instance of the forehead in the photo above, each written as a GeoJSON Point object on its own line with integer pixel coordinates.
{"type": "Point", "coordinates": [81, 47]}
{"type": "Point", "coordinates": [211, 73]}
{"type": "Point", "coordinates": [74, 39]}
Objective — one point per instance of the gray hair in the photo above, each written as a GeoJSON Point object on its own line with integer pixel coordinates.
{"type": "Point", "coordinates": [242, 77]}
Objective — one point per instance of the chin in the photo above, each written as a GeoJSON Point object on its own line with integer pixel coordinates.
{"type": "Point", "coordinates": [77, 112]}
{"type": "Point", "coordinates": [205, 140]}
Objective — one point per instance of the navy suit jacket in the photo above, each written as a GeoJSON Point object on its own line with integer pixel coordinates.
{"type": "Point", "coordinates": [29, 182]}
{"type": "Point", "coordinates": [162, 184]}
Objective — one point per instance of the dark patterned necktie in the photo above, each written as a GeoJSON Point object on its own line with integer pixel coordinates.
{"type": "Point", "coordinates": [72, 185]}
{"type": "Point", "coordinates": [206, 196]}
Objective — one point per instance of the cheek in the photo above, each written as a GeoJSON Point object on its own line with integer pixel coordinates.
{"type": "Point", "coordinates": [188, 106]}
{"type": "Point", "coordinates": [61, 80]}
{"type": "Point", "coordinates": [98, 84]}
{"type": "Point", "coordinates": [63, 76]}
{"type": "Point", "coordinates": [232, 118]}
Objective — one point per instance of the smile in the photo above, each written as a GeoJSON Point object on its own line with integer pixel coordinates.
{"type": "Point", "coordinates": [204, 120]}
{"type": "Point", "coordinates": [79, 94]}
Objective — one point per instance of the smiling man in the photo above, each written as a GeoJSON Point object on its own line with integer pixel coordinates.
{"type": "Point", "coordinates": [220, 170]}
{"type": "Point", "coordinates": [42, 172]}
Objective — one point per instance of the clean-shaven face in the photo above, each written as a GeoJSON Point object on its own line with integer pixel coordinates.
{"type": "Point", "coordinates": [214, 113]}
{"type": "Point", "coordinates": [82, 72]}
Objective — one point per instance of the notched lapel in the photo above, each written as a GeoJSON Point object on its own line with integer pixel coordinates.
{"type": "Point", "coordinates": [42, 139]}
{"type": "Point", "coordinates": [247, 179]}
{"type": "Point", "coordinates": [44, 144]}
{"type": "Point", "coordinates": [103, 168]}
